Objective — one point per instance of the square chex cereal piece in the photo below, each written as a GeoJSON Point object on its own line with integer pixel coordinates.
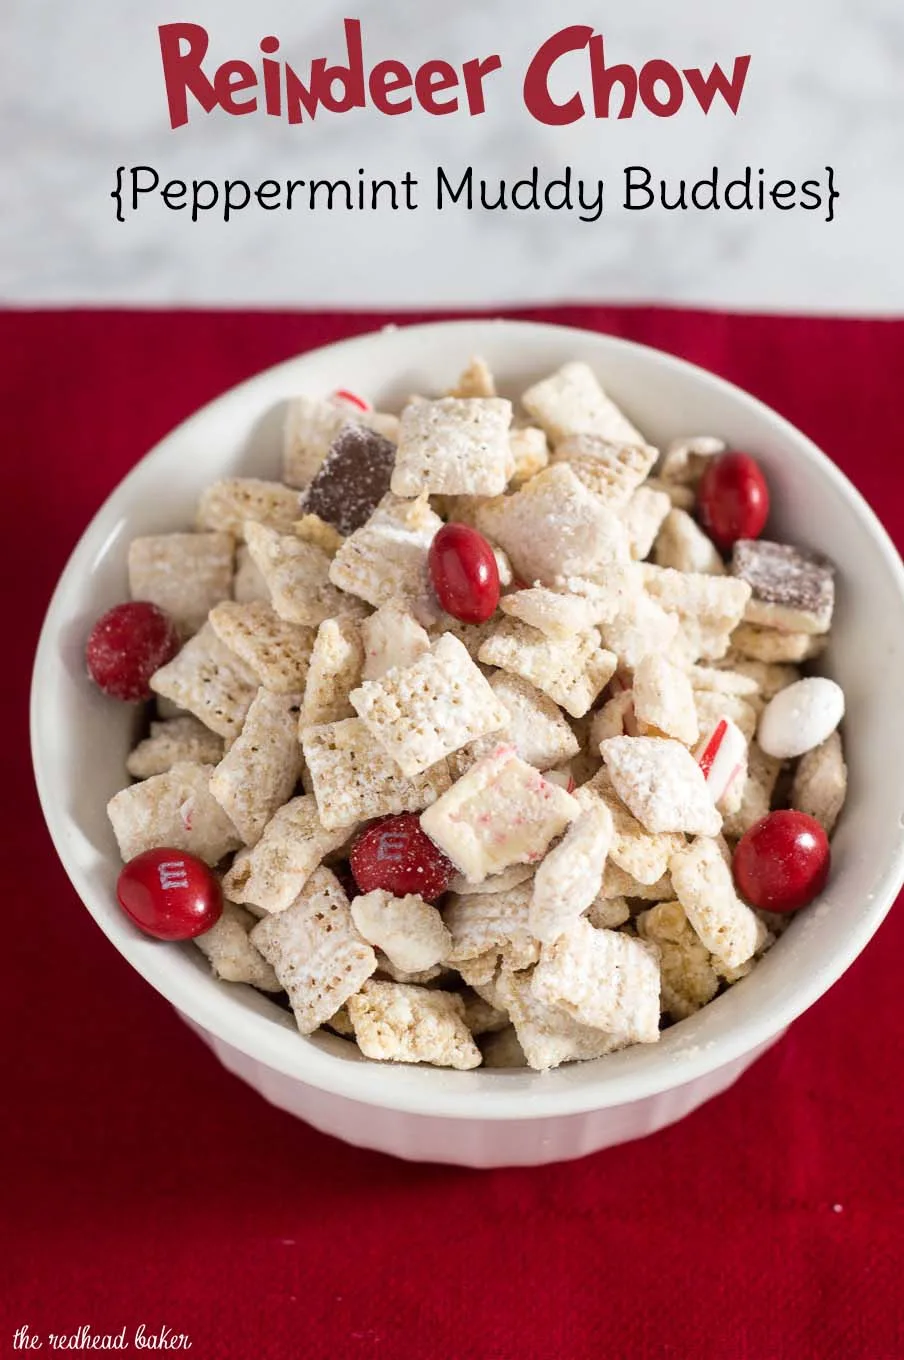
{"type": "Point", "coordinates": [792, 590]}
{"type": "Point", "coordinates": [603, 979]}
{"type": "Point", "coordinates": [232, 956]}
{"type": "Point", "coordinates": [612, 591]}
{"type": "Point", "coordinates": [336, 663]}
{"type": "Point", "coordinates": [688, 978]}
{"type": "Point", "coordinates": [173, 810]}
{"type": "Point", "coordinates": [431, 708]}
{"type": "Point", "coordinates": [392, 637]}
{"type": "Point", "coordinates": [641, 854]}
{"type": "Point", "coordinates": [704, 887]}
{"type": "Point", "coordinates": [316, 951]}
{"type": "Point", "coordinates": [682, 545]}
{"type": "Point", "coordinates": [297, 576]}
{"type": "Point", "coordinates": [554, 527]}
{"type": "Point", "coordinates": [481, 1016]}
{"type": "Point", "coordinates": [820, 783]}
{"type": "Point", "coordinates": [210, 681]}
{"type": "Point", "coordinates": [774, 646]}
{"type": "Point", "coordinates": [501, 812]}
{"type": "Point", "coordinates": [611, 471]}
{"type": "Point", "coordinates": [614, 718]}
{"type": "Point", "coordinates": [572, 671]}
{"type": "Point", "coordinates": [663, 699]}
{"type": "Point", "coordinates": [226, 505]}
{"type": "Point", "coordinates": [354, 779]}
{"type": "Point", "coordinates": [571, 401]}
{"type": "Point", "coordinates": [530, 452]}
{"type": "Point", "coordinates": [618, 883]}
{"type": "Point", "coordinates": [682, 497]}
{"type": "Point", "coordinates": [534, 726]}
{"type": "Point", "coordinates": [386, 559]}
{"type": "Point", "coordinates": [312, 529]}
{"type": "Point", "coordinates": [551, 612]}
{"type": "Point", "coordinates": [492, 926]}
{"type": "Point", "coordinates": [407, 929]}
{"type": "Point", "coordinates": [608, 913]}
{"type": "Point", "coordinates": [185, 575]}
{"type": "Point", "coordinates": [569, 878]}
{"type": "Point", "coordinates": [769, 677]}
{"type": "Point", "coordinates": [454, 446]}
{"type": "Point", "coordinates": [643, 516]}
{"type": "Point", "coordinates": [511, 877]}
{"type": "Point", "coordinates": [278, 652]}
{"type": "Point", "coordinates": [723, 680]}
{"type": "Point", "coordinates": [388, 971]}
{"type": "Point", "coordinates": [248, 584]}
{"type": "Point", "coordinates": [547, 1035]}
{"type": "Point", "coordinates": [661, 784]}
{"type": "Point", "coordinates": [716, 599]}
{"type": "Point", "coordinates": [476, 380]}
{"type": "Point", "coordinates": [312, 424]}
{"type": "Point", "coordinates": [397, 1023]}
{"type": "Point", "coordinates": [171, 742]}
{"type": "Point", "coordinates": [641, 628]}
{"type": "Point", "coordinates": [685, 459]}
{"type": "Point", "coordinates": [272, 873]}
{"type": "Point", "coordinates": [260, 769]}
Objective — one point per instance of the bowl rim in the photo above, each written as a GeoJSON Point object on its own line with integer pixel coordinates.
{"type": "Point", "coordinates": [518, 1095]}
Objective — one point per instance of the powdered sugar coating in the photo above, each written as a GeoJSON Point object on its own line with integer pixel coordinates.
{"type": "Point", "coordinates": [407, 929]}
{"type": "Point", "coordinates": [454, 446]}
{"type": "Point", "coordinates": [662, 785]}
{"type": "Point", "coordinates": [423, 712]}
{"type": "Point", "coordinates": [602, 979]}
{"type": "Point", "coordinates": [569, 878]}
{"type": "Point", "coordinates": [398, 1023]}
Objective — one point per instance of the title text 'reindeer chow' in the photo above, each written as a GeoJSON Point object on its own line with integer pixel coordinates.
{"type": "Point", "coordinates": [272, 85]}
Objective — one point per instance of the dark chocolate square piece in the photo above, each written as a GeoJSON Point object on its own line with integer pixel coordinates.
{"type": "Point", "coordinates": [791, 588]}
{"type": "Point", "coordinates": [352, 479]}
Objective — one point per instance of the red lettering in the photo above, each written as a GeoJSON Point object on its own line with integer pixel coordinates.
{"type": "Point", "coordinates": [432, 78]}
{"type": "Point", "coordinates": [298, 97]}
{"type": "Point", "coordinates": [182, 69]}
{"type": "Point", "coordinates": [272, 77]}
{"type": "Point", "coordinates": [474, 72]}
{"type": "Point", "coordinates": [231, 77]}
{"type": "Point", "coordinates": [350, 77]}
{"type": "Point", "coordinates": [386, 78]}
{"type": "Point", "coordinates": [705, 88]}
{"type": "Point", "coordinates": [537, 98]}
{"type": "Point", "coordinates": [661, 71]}
{"type": "Point", "coordinates": [604, 77]}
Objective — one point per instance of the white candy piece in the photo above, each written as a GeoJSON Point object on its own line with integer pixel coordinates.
{"type": "Point", "coordinates": [722, 756]}
{"type": "Point", "coordinates": [800, 717]}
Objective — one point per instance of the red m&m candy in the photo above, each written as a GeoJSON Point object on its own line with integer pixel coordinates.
{"type": "Point", "coordinates": [170, 894]}
{"type": "Point", "coordinates": [464, 573]}
{"type": "Point", "coordinates": [732, 499]}
{"type": "Point", "coordinates": [782, 862]}
{"type": "Point", "coordinates": [126, 646]}
{"type": "Point", "coordinates": [396, 855]}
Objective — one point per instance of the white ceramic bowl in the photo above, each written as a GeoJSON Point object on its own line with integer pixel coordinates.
{"type": "Point", "coordinates": [489, 1118]}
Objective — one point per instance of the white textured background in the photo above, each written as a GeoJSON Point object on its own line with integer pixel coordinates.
{"type": "Point", "coordinates": [82, 91]}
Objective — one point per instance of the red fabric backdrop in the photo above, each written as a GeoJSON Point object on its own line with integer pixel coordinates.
{"type": "Point", "coordinates": [144, 1184]}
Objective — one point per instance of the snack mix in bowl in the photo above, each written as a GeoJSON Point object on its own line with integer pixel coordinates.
{"type": "Point", "coordinates": [482, 736]}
